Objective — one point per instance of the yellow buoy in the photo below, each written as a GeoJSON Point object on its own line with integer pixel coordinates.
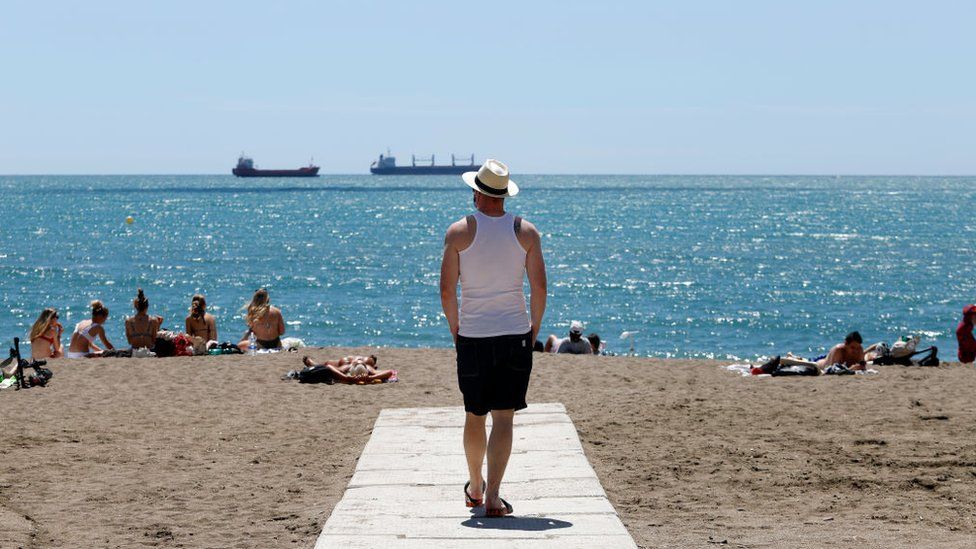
{"type": "Point", "coordinates": [129, 220]}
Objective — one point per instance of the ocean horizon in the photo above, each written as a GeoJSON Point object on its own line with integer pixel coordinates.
{"type": "Point", "coordinates": [701, 266]}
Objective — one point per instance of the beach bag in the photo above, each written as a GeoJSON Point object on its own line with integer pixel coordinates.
{"type": "Point", "coordinates": [315, 374]}
{"type": "Point", "coordinates": [926, 357]}
{"type": "Point", "coordinates": [164, 347]}
{"type": "Point", "coordinates": [905, 346]}
{"type": "Point", "coordinates": [199, 345]}
{"type": "Point", "coordinates": [40, 377]}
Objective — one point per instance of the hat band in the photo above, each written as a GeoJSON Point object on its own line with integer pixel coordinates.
{"type": "Point", "coordinates": [490, 190]}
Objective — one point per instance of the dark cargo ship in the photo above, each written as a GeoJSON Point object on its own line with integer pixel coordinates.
{"type": "Point", "coordinates": [245, 168]}
{"type": "Point", "coordinates": [386, 165]}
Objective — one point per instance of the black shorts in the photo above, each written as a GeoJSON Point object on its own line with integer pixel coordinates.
{"type": "Point", "coordinates": [493, 372]}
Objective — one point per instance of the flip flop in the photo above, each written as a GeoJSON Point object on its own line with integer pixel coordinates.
{"type": "Point", "coordinates": [470, 501]}
{"type": "Point", "coordinates": [497, 513]}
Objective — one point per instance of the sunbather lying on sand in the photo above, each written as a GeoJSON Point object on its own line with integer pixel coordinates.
{"type": "Point", "coordinates": [850, 353]}
{"type": "Point", "coordinates": [353, 369]}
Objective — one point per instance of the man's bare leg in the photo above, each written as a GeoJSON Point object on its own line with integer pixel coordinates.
{"type": "Point", "coordinates": [499, 450]}
{"type": "Point", "coordinates": [475, 446]}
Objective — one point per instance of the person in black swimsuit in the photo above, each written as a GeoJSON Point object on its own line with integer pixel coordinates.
{"type": "Point", "coordinates": [141, 329]}
{"type": "Point", "coordinates": [264, 320]}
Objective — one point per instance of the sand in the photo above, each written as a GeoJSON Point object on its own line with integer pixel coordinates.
{"type": "Point", "coordinates": [218, 452]}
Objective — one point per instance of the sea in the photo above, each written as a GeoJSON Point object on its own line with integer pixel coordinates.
{"type": "Point", "coordinates": [719, 267]}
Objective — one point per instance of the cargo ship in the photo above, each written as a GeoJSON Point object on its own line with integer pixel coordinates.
{"type": "Point", "coordinates": [386, 165]}
{"type": "Point", "coordinates": [245, 168]}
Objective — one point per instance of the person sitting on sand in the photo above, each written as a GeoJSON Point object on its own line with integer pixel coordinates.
{"type": "Point", "coordinates": [264, 320]}
{"type": "Point", "coordinates": [594, 340]}
{"type": "Point", "coordinates": [574, 344]}
{"type": "Point", "coordinates": [200, 323]}
{"type": "Point", "coordinates": [353, 369]}
{"type": "Point", "coordinates": [141, 329]}
{"type": "Point", "coordinates": [964, 335]}
{"type": "Point", "coordinates": [850, 353]}
{"type": "Point", "coordinates": [45, 336]}
{"type": "Point", "coordinates": [82, 341]}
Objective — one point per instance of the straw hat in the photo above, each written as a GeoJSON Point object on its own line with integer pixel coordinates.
{"type": "Point", "coordinates": [491, 180]}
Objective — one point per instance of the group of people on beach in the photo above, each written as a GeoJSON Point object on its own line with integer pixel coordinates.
{"type": "Point", "coordinates": [574, 343]}
{"type": "Point", "coordinates": [142, 329]}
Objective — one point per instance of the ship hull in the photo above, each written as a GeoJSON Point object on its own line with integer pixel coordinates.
{"type": "Point", "coordinates": [301, 172]}
{"type": "Point", "coordinates": [422, 170]}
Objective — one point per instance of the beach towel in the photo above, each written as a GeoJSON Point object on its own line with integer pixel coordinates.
{"type": "Point", "coordinates": [796, 370]}
{"type": "Point", "coordinates": [745, 370]}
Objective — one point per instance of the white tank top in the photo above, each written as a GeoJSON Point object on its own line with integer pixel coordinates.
{"type": "Point", "coordinates": [492, 274]}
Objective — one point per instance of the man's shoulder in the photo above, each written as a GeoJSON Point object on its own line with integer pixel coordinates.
{"type": "Point", "coordinates": [459, 225]}
{"type": "Point", "coordinates": [460, 229]}
{"type": "Point", "coordinates": [526, 225]}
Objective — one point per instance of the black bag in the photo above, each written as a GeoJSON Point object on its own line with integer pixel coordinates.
{"type": "Point", "coordinates": [40, 377]}
{"type": "Point", "coordinates": [315, 374]}
{"type": "Point", "coordinates": [164, 347]}
{"type": "Point", "coordinates": [925, 357]}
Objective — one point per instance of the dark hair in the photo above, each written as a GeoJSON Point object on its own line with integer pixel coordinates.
{"type": "Point", "coordinates": [198, 306]}
{"type": "Point", "coordinates": [594, 342]}
{"type": "Point", "coordinates": [98, 309]}
{"type": "Point", "coordinates": [853, 336]}
{"type": "Point", "coordinates": [140, 302]}
{"type": "Point", "coordinates": [374, 359]}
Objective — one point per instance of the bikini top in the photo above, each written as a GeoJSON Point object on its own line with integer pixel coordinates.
{"type": "Point", "coordinates": [84, 333]}
{"type": "Point", "coordinates": [146, 332]}
{"type": "Point", "coordinates": [51, 339]}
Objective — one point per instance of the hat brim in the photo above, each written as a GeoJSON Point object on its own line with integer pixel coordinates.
{"type": "Point", "coordinates": [468, 178]}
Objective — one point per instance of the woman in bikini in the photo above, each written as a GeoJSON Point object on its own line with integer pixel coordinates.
{"type": "Point", "coordinates": [45, 336]}
{"type": "Point", "coordinates": [264, 321]}
{"type": "Point", "coordinates": [141, 329]}
{"type": "Point", "coordinates": [200, 323]}
{"type": "Point", "coordinates": [82, 341]}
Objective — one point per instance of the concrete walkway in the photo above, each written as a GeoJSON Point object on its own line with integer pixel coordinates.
{"type": "Point", "coordinates": [407, 488]}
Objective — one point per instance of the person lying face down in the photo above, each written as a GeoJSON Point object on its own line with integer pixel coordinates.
{"type": "Point", "coordinates": [850, 353]}
{"type": "Point", "coordinates": [353, 369]}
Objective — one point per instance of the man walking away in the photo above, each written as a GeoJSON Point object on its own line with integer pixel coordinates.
{"type": "Point", "coordinates": [490, 252]}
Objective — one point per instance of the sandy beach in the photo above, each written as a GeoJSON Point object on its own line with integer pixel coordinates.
{"type": "Point", "coordinates": [218, 452]}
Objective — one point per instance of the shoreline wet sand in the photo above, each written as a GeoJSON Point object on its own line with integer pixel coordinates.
{"type": "Point", "coordinates": [217, 451]}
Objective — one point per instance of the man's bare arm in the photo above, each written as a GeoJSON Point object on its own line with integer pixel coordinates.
{"type": "Point", "coordinates": [450, 272]}
{"type": "Point", "coordinates": [535, 269]}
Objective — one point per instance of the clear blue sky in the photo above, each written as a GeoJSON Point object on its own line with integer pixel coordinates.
{"type": "Point", "coordinates": [771, 87]}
